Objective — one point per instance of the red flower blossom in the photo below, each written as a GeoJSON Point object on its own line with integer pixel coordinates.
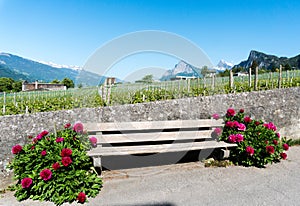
{"type": "Point", "coordinates": [66, 152]}
{"type": "Point", "coordinates": [270, 126]}
{"type": "Point", "coordinates": [43, 153]}
{"type": "Point", "coordinates": [239, 137]}
{"type": "Point", "coordinates": [250, 150]}
{"type": "Point", "coordinates": [283, 155]}
{"type": "Point", "coordinates": [81, 197]}
{"type": "Point", "coordinates": [278, 135]}
{"type": "Point", "coordinates": [270, 149]}
{"type": "Point", "coordinates": [236, 124]}
{"type": "Point", "coordinates": [78, 127]}
{"type": "Point", "coordinates": [39, 137]}
{"type": "Point", "coordinates": [218, 131]}
{"type": "Point", "coordinates": [275, 142]}
{"type": "Point", "coordinates": [93, 141]}
{"type": "Point", "coordinates": [30, 137]}
{"type": "Point", "coordinates": [16, 149]}
{"type": "Point", "coordinates": [59, 139]}
{"type": "Point", "coordinates": [46, 174]}
{"type": "Point", "coordinates": [285, 146]}
{"type": "Point", "coordinates": [32, 147]}
{"type": "Point", "coordinates": [241, 127]}
{"type": "Point", "coordinates": [56, 166]}
{"type": "Point", "coordinates": [26, 182]}
{"type": "Point", "coordinates": [66, 161]}
{"type": "Point", "coordinates": [257, 123]}
{"type": "Point", "coordinates": [230, 112]}
{"type": "Point", "coordinates": [247, 119]}
{"type": "Point", "coordinates": [42, 134]}
{"type": "Point", "coordinates": [216, 116]}
{"type": "Point", "coordinates": [229, 124]}
{"type": "Point", "coordinates": [242, 110]}
{"type": "Point", "coordinates": [67, 125]}
{"type": "Point", "coordinates": [232, 138]}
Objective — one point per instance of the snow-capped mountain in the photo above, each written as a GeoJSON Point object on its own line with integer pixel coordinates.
{"type": "Point", "coordinates": [223, 65]}
{"type": "Point", "coordinates": [61, 66]}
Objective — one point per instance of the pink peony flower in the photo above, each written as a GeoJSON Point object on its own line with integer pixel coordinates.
{"type": "Point", "coordinates": [236, 124]}
{"type": "Point", "coordinates": [93, 141]}
{"type": "Point", "coordinates": [66, 161]}
{"type": "Point", "coordinates": [26, 182]}
{"type": "Point", "coordinates": [43, 153]}
{"type": "Point", "coordinates": [59, 139]}
{"type": "Point", "coordinates": [230, 112]}
{"type": "Point", "coordinates": [232, 138]}
{"type": "Point", "coordinates": [229, 124]}
{"type": "Point", "coordinates": [275, 142]}
{"type": "Point", "coordinates": [283, 155]}
{"type": "Point", "coordinates": [67, 125]}
{"type": "Point", "coordinates": [242, 110]}
{"type": "Point", "coordinates": [66, 152]}
{"type": "Point", "coordinates": [250, 150]}
{"type": "Point", "coordinates": [270, 149]}
{"type": "Point", "coordinates": [257, 123]}
{"type": "Point", "coordinates": [278, 135]}
{"type": "Point", "coordinates": [16, 149]}
{"type": "Point", "coordinates": [56, 166]}
{"type": "Point", "coordinates": [216, 116]}
{"type": "Point", "coordinates": [39, 137]}
{"type": "Point", "coordinates": [270, 126]}
{"type": "Point", "coordinates": [285, 146]}
{"type": "Point", "coordinates": [78, 127]}
{"type": "Point", "coordinates": [46, 174]}
{"type": "Point", "coordinates": [239, 137]}
{"type": "Point", "coordinates": [247, 119]}
{"type": "Point", "coordinates": [241, 127]}
{"type": "Point", "coordinates": [81, 197]}
{"type": "Point", "coordinates": [218, 131]}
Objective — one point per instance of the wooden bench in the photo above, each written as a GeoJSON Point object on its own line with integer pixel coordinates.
{"type": "Point", "coordinates": [132, 138]}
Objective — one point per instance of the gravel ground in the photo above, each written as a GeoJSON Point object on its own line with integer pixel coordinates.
{"type": "Point", "coordinates": [193, 184]}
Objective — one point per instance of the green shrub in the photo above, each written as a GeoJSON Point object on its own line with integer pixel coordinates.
{"type": "Point", "coordinates": [258, 143]}
{"type": "Point", "coordinates": [55, 167]}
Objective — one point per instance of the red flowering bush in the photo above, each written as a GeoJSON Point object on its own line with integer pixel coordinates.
{"type": "Point", "coordinates": [55, 167]}
{"type": "Point", "coordinates": [258, 143]}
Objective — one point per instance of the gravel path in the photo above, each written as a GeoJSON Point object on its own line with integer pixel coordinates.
{"type": "Point", "coordinates": [192, 184]}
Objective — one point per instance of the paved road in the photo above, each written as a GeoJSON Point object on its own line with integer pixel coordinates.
{"type": "Point", "coordinates": [192, 184]}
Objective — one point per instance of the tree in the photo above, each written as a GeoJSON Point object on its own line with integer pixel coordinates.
{"type": "Point", "coordinates": [68, 83]}
{"type": "Point", "coordinates": [146, 79]}
{"type": "Point", "coordinates": [17, 86]}
{"type": "Point", "coordinates": [80, 85]}
{"type": "Point", "coordinates": [287, 67]}
{"type": "Point", "coordinates": [55, 81]}
{"type": "Point", "coordinates": [204, 71]}
{"type": "Point", "coordinates": [6, 84]}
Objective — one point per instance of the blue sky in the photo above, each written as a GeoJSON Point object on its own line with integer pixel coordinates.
{"type": "Point", "coordinates": [68, 32]}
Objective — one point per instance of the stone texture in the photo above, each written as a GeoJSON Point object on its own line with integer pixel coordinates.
{"type": "Point", "coordinates": [280, 106]}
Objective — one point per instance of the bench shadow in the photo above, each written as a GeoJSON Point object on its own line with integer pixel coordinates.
{"type": "Point", "coordinates": [158, 159]}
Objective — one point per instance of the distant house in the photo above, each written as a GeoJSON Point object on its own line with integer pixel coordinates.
{"type": "Point", "coordinates": [42, 86]}
{"type": "Point", "coordinates": [182, 78]}
{"type": "Point", "coordinates": [240, 74]}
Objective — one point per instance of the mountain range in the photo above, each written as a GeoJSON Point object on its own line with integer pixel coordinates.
{"type": "Point", "coordinates": [269, 62]}
{"type": "Point", "coordinates": [19, 68]}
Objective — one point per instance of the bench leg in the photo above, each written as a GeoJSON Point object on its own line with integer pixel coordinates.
{"type": "Point", "coordinates": [224, 153]}
{"type": "Point", "coordinates": [97, 164]}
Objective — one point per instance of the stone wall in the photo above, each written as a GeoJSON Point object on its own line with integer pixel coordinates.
{"type": "Point", "coordinates": [281, 106]}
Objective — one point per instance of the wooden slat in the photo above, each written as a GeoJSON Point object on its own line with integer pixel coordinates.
{"type": "Point", "coordinates": [144, 149]}
{"type": "Point", "coordinates": [153, 136]}
{"type": "Point", "coordinates": [123, 126]}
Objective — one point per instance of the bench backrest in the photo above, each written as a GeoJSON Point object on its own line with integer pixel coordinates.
{"type": "Point", "coordinates": [130, 132]}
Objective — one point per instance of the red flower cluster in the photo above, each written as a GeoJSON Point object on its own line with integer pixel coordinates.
{"type": "Point", "coordinates": [78, 127]}
{"type": "Point", "coordinates": [242, 110]}
{"type": "Point", "coordinates": [81, 197]}
{"type": "Point", "coordinates": [16, 149]}
{"type": "Point", "coordinates": [46, 174]}
{"type": "Point", "coordinates": [270, 126]}
{"type": "Point", "coordinates": [283, 155]}
{"type": "Point", "coordinates": [26, 182]}
{"type": "Point", "coordinates": [56, 166]}
{"type": "Point", "coordinates": [233, 138]}
{"type": "Point", "coordinates": [275, 142]}
{"type": "Point", "coordinates": [66, 152]}
{"type": "Point", "coordinates": [230, 112]}
{"type": "Point", "coordinates": [247, 119]}
{"type": "Point", "coordinates": [42, 134]}
{"type": "Point", "coordinates": [218, 131]}
{"type": "Point", "coordinates": [250, 150]}
{"type": "Point", "coordinates": [270, 149]}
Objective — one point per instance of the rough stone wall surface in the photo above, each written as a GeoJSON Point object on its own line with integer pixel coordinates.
{"type": "Point", "coordinates": [281, 106]}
